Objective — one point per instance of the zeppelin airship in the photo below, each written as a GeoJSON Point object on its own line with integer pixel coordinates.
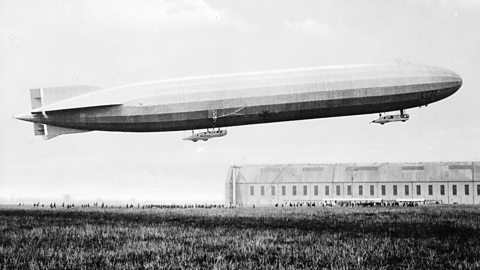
{"type": "Point", "coordinates": [219, 101]}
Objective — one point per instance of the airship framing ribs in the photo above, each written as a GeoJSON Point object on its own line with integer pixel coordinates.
{"type": "Point", "coordinates": [215, 102]}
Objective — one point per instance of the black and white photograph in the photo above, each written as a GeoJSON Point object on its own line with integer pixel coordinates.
{"type": "Point", "coordinates": [222, 134]}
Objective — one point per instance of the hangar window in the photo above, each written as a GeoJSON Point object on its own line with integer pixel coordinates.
{"type": "Point", "coordinates": [372, 190]}
{"type": "Point", "coordinates": [454, 189]}
{"type": "Point", "coordinates": [251, 191]}
{"type": "Point", "coordinates": [460, 167]}
{"type": "Point", "coordinates": [362, 168]}
{"type": "Point", "coordinates": [419, 190]}
{"type": "Point", "coordinates": [442, 189]}
{"type": "Point", "coordinates": [360, 190]}
{"type": "Point", "coordinates": [284, 190]}
{"type": "Point", "coordinates": [262, 190]}
{"type": "Point", "coordinates": [384, 190]}
{"type": "Point", "coordinates": [315, 190]}
{"type": "Point", "coordinates": [327, 190]}
{"type": "Point", "coordinates": [304, 190]}
{"type": "Point", "coordinates": [349, 190]}
{"type": "Point", "coordinates": [294, 190]}
{"type": "Point", "coordinates": [430, 190]}
{"type": "Point", "coordinates": [338, 190]}
{"type": "Point", "coordinates": [407, 191]}
{"type": "Point", "coordinates": [467, 191]}
{"type": "Point", "coordinates": [395, 190]}
{"type": "Point", "coordinates": [273, 190]}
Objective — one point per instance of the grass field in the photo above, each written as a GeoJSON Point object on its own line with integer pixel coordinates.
{"type": "Point", "coordinates": [441, 237]}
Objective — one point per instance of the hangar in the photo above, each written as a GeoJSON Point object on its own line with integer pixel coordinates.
{"type": "Point", "coordinates": [439, 182]}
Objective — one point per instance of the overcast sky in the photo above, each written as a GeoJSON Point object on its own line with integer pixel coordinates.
{"type": "Point", "coordinates": [111, 43]}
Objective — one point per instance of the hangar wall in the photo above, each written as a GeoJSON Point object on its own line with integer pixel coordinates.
{"type": "Point", "coordinates": [442, 182]}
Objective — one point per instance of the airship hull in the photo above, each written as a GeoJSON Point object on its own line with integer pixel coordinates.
{"type": "Point", "coordinates": [243, 99]}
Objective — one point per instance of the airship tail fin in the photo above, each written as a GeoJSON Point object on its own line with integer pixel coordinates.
{"type": "Point", "coordinates": [40, 97]}
{"type": "Point", "coordinates": [48, 131]}
{"type": "Point", "coordinates": [38, 129]}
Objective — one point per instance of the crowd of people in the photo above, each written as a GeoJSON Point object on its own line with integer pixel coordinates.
{"type": "Point", "coordinates": [54, 205]}
{"type": "Point", "coordinates": [347, 204]}
{"type": "Point", "coordinates": [51, 205]}
{"type": "Point", "coordinates": [102, 205]}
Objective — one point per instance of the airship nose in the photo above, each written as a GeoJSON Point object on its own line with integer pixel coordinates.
{"type": "Point", "coordinates": [456, 80]}
{"type": "Point", "coordinates": [451, 81]}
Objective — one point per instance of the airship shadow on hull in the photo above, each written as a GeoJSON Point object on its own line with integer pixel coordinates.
{"type": "Point", "coordinates": [240, 99]}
